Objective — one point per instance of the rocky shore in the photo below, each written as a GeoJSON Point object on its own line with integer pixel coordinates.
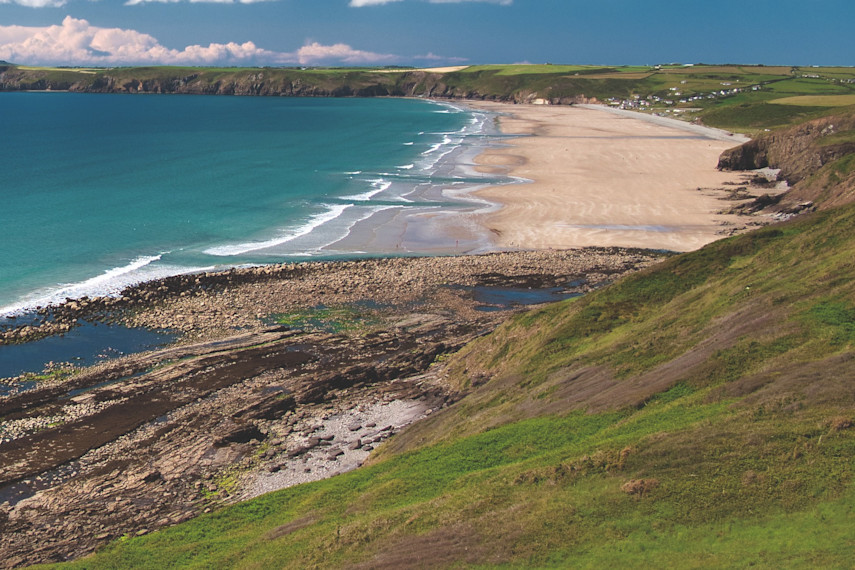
{"type": "Point", "coordinates": [283, 374]}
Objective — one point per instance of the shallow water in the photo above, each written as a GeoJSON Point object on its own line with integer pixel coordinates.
{"type": "Point", "coordinates": [493, 298]}
{"type": "Point", "coordinates": [82, 346]}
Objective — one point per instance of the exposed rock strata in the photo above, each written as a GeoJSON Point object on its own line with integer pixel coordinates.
{"type": "Point", "coordinates": [801, 153]}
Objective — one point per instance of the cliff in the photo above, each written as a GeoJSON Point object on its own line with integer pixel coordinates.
{"type": "Point", "coordinates": [487, 85]}
{"type": "Point", "coordinates": [815, 158]}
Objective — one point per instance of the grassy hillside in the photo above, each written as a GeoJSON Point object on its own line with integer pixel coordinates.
{"type": "Point", "coordinates": [701, 413]}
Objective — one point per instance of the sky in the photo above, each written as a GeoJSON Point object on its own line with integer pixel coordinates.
{"type": "Point", "coordinates": [425, 33]}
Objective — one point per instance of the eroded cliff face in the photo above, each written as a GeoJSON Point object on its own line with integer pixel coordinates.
{"type": "Point", "coordinates": [15, 79]}
{"type": "Point", "coordinates": [279, 83]}
{"type": "Point", "coordinates": [815, 158]}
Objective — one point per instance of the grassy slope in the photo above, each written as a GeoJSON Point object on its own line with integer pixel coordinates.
{"type": "Point", "coordinates": [698, 414]}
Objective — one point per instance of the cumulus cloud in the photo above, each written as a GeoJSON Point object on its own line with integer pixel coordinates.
{"type": "Point", "coordinates": [315, 53]}
{"type": "Point", "coordinates": [77, 42]}
{"type": "Point", "coordinates": [36, 3]}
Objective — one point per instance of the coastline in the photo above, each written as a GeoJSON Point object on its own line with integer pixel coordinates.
{"type": "Point", "coordinates": [285, 374]}
{"type": "Point", "coordinates": [607, 179]}
{"type": "Point", "coordinates": [490, 191]}
{"type": "Point", "coordinates": [445, 222]}
{"type": "Point", "coordinates": [361, 207]}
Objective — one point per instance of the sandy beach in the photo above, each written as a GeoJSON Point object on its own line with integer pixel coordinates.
{"type": "Point", "coordinates": [607, 179]}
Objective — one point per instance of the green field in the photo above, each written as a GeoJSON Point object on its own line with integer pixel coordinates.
{"type": "Point", "coordinates": [817, 100]}
{"type": "Point", "coordinates": [87, 70]}
{"type": "Point", "coordinates": [529, 69]}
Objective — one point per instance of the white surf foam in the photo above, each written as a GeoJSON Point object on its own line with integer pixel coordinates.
{"type": "Point", "coordinates": [108, 284]}
{"type": "Point", "coordinates": [378, 185]}
{"type": "Point", "coordinates": [332, 212]}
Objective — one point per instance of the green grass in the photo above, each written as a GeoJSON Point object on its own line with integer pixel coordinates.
{"type": "Point", "coordinates": [817, 100]}
{"type": "Point", "coordinates": [835, 320]}
{"type": "Point", "coordinates": [745, 112]}
{"type": "Point", "coordinates": [698, 413]}
{"type": "Point", "coordinates": [754, 116]}
{"type": "Point", "coordinates": [552, 485]}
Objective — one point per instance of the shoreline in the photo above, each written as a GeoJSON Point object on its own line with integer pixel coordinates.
{"type": "Point", "coordinates": [255, 396]}
{"type": "Point", "coordinates": [285, 374]}
{"type": "Point", "coordinates": [402, 210]}
{"type": "Point", "coordinates": [606, 178]}
{"type": "Point", "coordinates": [522, 209]}
{"type": "Point", "coordinates": [506, 210]}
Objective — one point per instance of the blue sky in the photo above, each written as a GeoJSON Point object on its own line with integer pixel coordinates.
{"type": "Point", "coordinates": [425, 32]}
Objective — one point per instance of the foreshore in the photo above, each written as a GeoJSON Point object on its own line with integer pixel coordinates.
{"type": "Point", "coordinates": [606, 179]}
{"type": "Point", "coordinates": [575, 176]}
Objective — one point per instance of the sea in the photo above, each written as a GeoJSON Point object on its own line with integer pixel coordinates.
{"type": "Point", "coordinates": [98, 192]}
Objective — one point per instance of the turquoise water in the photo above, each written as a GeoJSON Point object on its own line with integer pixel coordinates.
{"type": "Point", "coordinates": [100, 191]}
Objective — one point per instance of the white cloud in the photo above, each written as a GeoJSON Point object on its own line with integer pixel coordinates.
{"type": "Point", "coordinates": [77, 42]}
{"type": "Point", "coordinates": [315, 53]}
{"type": "Point", "coordinates": [430, 56]}
{"type": "Point", "coordinates": [36, 3]}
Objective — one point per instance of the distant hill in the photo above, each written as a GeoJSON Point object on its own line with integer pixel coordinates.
{"type": "Point", "coordinates": [745, 98]}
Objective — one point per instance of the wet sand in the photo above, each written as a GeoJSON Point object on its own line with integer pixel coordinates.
{"type": "Point", "coordinates": [606, 179]}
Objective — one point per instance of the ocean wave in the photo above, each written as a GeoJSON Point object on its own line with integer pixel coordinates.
{"type": "Point", "coordinates": [377, 186]}
{"type": "Point", "coordinates": [446, 140]}
{"type": "Point", "coordinates": [448, 107]}
{"type": "Point", "coordinates": [407, 166]}
{"type": "Point", "coordinates": [108, 284]}
{"type": "Point", "coordinates": [332, 212]}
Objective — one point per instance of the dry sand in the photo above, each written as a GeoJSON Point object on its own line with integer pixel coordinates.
{"type": "Point", "coordinates": [605, 179]}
